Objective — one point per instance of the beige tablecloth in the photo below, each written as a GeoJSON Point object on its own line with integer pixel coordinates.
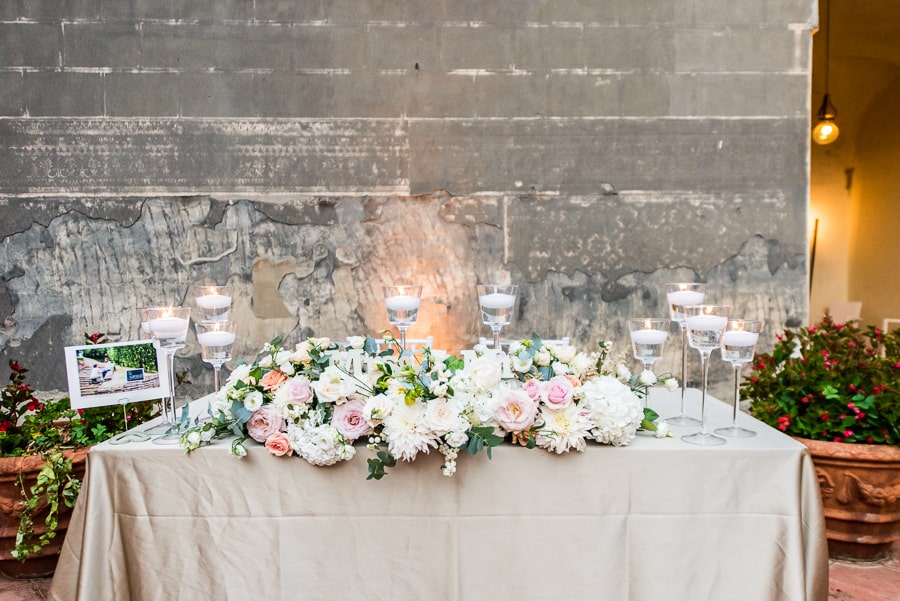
{"type": "Point", "coordinates": [659, 519]}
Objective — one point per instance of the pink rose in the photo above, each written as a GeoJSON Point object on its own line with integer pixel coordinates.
{"type": "Point", "coordinates": [532, 388]}
{"type": "Point", "coordinates": [515, 410]}
{"type": "Point", "coordinates": [264, 422]}
{"type": "Point", "coordinates": [278, 444]}
{"type": "Point", "coordinates": [297, 390]}
{"type": "Point", "coordinates": [350, 419]}
{"type": "Point", "coordinates": [557, 393]}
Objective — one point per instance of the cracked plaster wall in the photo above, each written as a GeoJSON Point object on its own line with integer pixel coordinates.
{"type": "Point", "coordinates": [308, 153]}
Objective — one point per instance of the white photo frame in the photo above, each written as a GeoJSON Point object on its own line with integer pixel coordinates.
{"type": "Point", "coordinates": [93, 382]}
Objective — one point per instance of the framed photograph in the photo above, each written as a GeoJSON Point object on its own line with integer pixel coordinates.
{"type": "Point", "coordinates": [115, 374]}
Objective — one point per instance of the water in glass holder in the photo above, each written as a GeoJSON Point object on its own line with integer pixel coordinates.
{"type": "Point", "coordinates": [678, 296]}
{"type": "Point", "coordinates": [738, 346]}
{"type": "Point", "coordinates": [213, 302]}
{"type": "Point", "coordinates": [648, 340]}
{"type": "Point", "coordinates": [705, 327]}
{"type": "Point", "coordinates": [216, 339]}
{"type": "Point", "coordinates": [497, 302]}
{"type": "Point", "coordinates": [402, 304]}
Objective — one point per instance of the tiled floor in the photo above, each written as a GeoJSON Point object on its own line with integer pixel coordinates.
{"type": "Point", "coordinates": [848, 581]}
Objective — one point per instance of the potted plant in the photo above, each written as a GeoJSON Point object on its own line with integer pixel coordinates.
{"type": "Point", "coordinates": [42, 453]}
{"type": "Point", "coordinates": [836, 388]}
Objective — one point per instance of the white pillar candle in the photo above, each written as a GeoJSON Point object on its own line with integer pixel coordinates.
{"type": "Point", "coordinates": [215, 338]}
{"type": "Point", "coordinates": [684, 298]}
{"type": "Point", "coordinates": [739, 338]}
{"type": "Point", "coordinates": [496, 300]}
{"type": "Point", "coordinates": [165, 328]}
{"type": "Point", "coordinates": [213, 301]}
{"type": "Point", "coordinates": [402, 303]}
{"type": "Point", "coordinates": [648, 336]}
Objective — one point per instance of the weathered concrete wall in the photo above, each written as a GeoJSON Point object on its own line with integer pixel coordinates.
{"type": "Point", "coordinates": [308, 152]}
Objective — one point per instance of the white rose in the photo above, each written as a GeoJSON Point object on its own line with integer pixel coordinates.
{"type": "Point", "coordinates": [301, 354]}
{"type": "Point", "coordinates": [565, 352]}
{"type": "Point", "coordinates": [253, 401]}
{"type": "Point", "coordinates": [238, 449]}
{"type": "Point", "coordinates": [239, 373]}
{"type": "Point", "coordinates": [647, 378]}
{"type": "Point", "coordinates": [332, 387]}
{"type": "Point", "coordinates": [559, 369]}
{"type": "Point", "coordinates": [356, 342]}
{"type": "Point", "coordinates": [193, 439]}
{"type": "Point", "coordinates": [662, 429]}
{"type": "Point", "coordinates": [671, 384]}
{"type": "Point", "coordinates": [515, 347]}
{"type": "Point", "coordinates": [457, 439]}
{"type": "Point", "coordinates": [479, 349]}
{"type": "Point", "coordinates": [521, 364]}
{"type": "Point", "coordinates": [441, 415]}
{"type": "Point", "coordinates": [207, 434]}
{"type": "Point", "coordinates": [543, 358]}
{"type": "Point", "coordinates": [623, 372]}
{"type": "Point", "coordinates": [266, 362]}
{"type": "Point", "coordinates": [282, 357]}
{"type": "Point", "coordinates": [286, 368]}
{"type": "Point", "coordinates": [377, 408]}
{"type": "Point", "coordinates": [486, 372]}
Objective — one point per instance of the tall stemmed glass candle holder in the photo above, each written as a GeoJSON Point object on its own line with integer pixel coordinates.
{"type": "Point", "coordinates": [216, 339]}
{"type": "Point", "coordinates": [648, 339]}
{"type": "Point", "coordinates": [679, 296]}
{"type": "Point", "coordinates": [738, 345]}
{"type": "Point", "coordinates": [168, 326]}
{"type": "Point", "coordinates": [497, 302]}
{"type": "Point", "coordinates": [213, 302]}
{"type": "Point", "coordinates": [402, 303]}
{"type": "Point", "coordinates": [705, 327]}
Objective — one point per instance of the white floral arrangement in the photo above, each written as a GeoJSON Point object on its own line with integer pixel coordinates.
{"type": "Point", "coordinates": [316, 400]}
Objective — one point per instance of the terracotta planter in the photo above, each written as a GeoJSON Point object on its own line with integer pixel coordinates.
{"type": "Point", "coordinates": [10, 509]}
{"type": "Point", "coordinates": [860, 486]}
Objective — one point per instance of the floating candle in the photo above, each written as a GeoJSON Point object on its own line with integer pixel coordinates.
{"type": "Point", "coordinates": [213, 301]}
{"type": "Point", "coordinates": [708, 323]}
{"type": "Point", "coordinates": [166, 328]}
{"type": "Point", "coordinates": [215, 338]}
{"type": "Point", "coordinates": [684, 298]}
{"type": "Point", "coordinates": [739, 338]}
{"type": "Point", "coordinates": [497, 300]}
{"type": "Point", "coordinates": [402, 303]}
{"type": "Point", "coordinates": [649, 336]}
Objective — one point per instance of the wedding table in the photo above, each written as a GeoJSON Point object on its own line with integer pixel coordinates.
{"type": "Point", "coordinates": [659, 519]}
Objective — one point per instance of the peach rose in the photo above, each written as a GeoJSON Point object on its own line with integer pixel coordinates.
{"type": "Point", "coordinates": [278, 444]}
{"type": "Point", "coordinates": [273, 380]}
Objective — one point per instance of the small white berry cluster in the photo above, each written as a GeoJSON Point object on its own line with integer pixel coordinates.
{"type": "Point", "coordinates": [450, 454]}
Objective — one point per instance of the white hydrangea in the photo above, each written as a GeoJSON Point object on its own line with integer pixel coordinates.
{"type": "Point", "coordinates": [320, 445]}
{"type": "Point", "coordinates": [615, 410]}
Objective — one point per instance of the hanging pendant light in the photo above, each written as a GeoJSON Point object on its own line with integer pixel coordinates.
{"type": "Point", "coordinates": [826, 130]}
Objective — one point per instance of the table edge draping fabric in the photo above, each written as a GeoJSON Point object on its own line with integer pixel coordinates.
{"type": "Point", "coordinates": [659, 518]}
